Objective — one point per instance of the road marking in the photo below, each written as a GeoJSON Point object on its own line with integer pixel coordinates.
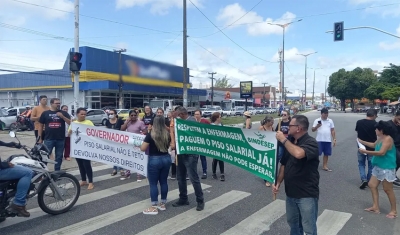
{"type": "Point", "coordinates": [260, 221]}
{"type": "Point", "coordinates": [90, 197]}
{"type": "Point", "coordinates": [191, 217]}
{"type": "Point", "coordinates": [331, 222]}
{"type": "Point", "coordinates": [114, 216]}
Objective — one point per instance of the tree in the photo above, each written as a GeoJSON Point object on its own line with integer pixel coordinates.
{"type": "Point", "coordinates": [392, 93]}
{"type": "Point", "coordinates": [375, 91]}
{"type": "Point", "coordinates": [337, 86]}
{"type": "Point", "coordinates": [222, 83]}
{"type": "Point", "coordinates": [390, 75]}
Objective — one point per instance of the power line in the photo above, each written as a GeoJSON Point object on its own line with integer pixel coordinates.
{"type": "Point", "coordinates": [229, 37]}
{"type": "Point", "coordinates": [229, 25]}
{"type": "Point", "coordinates": [96, 18]}
{"type": "Point", "coordinates": [172, 41]}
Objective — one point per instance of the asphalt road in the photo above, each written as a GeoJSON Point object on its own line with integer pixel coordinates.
{"type": "Point", "coordinates": [240, 205]}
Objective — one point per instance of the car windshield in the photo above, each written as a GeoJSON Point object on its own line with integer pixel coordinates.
{"type": "Point", "coordinates": [211, 109]}
{"type": "Point", "coordinates": [3, 113]}
{"type": "Point", "coordinates": [123, 111]}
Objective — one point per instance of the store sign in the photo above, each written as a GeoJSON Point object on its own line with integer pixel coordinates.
{"type": "Point", "coordinates": [246, 90]}
{"type": "Point", "coordinates": [151, 71]}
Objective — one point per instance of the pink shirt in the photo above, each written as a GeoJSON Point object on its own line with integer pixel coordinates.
{"type": "Point", "coordinates": [136, 127]}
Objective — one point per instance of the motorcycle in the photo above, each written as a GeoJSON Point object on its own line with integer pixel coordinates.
{"type": "Point", "coordinates": [20, 125]}
{"type": "Point", "coordinates": [43, 183]}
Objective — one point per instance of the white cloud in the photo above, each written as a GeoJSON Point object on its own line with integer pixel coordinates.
{"type": "Point", "coordinates": [292, 55]}
{"type": "Point", "coordinates": [157, 6]}
{"type": "Point", "coordinates": [232, 12]}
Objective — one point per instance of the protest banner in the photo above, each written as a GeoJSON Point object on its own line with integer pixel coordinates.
{"type": "Point", "coordinates": [116, 148]}
{"type": "Point", "coordinates": [252, 150]}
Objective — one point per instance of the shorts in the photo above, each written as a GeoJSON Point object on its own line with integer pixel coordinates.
{"type": "Point", "coordinates": [325, 148]}
{"type": "Point", "coordinates": [384, 174]}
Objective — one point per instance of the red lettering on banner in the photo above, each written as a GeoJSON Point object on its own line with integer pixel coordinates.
{"type": "Point", "coordinates": [102, 134]}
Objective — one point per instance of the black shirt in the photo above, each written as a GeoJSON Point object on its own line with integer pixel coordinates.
{"type": "Point", "coordinates": [284, 129]}
{"type": "Point", "coordinates": [397, 134]}
{"type": "Point", "coordinates": [116, 126]}
{"type": "Point", "coordinates": [54, 125]}
{"type": "Point", "coordinates": [301, 176]}
{"type": "Point", "coordinates": [366, 131]}
{"type": "Point", "coordinates": [153, 150]}
{"type": "Point", "coordinates": [148, 119]}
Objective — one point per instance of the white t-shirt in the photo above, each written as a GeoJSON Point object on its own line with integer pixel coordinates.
{"type": "Point", "coordinates": [324, 131]}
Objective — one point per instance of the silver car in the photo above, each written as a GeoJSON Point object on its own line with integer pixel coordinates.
{"type": "Point", "coordinates": [97, 116]}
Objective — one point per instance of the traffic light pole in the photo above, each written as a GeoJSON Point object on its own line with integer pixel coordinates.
{"type": "Point", "coordinates": [368, 27]}
{"type": "Point", "coordinates": [76, 49]}
{"type": "Point", "coordinates": [185, 74]}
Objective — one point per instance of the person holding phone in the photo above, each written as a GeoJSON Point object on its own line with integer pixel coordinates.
{"type": "Point", "coordinates": [326, 136]}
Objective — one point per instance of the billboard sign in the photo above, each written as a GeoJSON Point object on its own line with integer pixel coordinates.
{"type": "Point", "coordinates": [246, 90]}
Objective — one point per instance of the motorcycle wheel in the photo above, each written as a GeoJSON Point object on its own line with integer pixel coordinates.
{"type": "Point", "coordinates": [47, 207]}
{"type": "Point", "coordinates": [13, 127]}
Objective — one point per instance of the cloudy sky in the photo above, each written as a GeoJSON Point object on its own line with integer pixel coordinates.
{"type": "Point", "coordinates": [232, 38]}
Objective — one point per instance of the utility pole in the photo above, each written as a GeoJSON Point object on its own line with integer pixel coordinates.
{"type": "Point", "coordinates": [76, 49]}
{"type": "Point", "coordinates": [185, 74]}
{"type": "Point", "coordinates": [305, 77]}
{"type": "Point", "coordinates": [212, 87]}
{"type": "Point", "coordinates": [280, 75]}
{"type": "Point", "coordinates": [264, 93]}
{"type": "Point", "coordinates": [120, 83]}
{"type": "Point", "coordinates": [313, 88]}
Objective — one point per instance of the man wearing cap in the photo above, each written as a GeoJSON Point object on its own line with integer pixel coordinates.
{"type": "Point", "coordinates": [325, 129]}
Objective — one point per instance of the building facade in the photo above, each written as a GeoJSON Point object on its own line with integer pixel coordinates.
{"type": "Point", "coordinates": [142, 81]}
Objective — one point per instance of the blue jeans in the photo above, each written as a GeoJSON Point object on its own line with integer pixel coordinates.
{"type": "Point", "coordinates": [187, 165]}
{"type": "Point", "coordinates": [302, 215]}
{"type": "Point", "coordinates": [203, 160]}
{"type": "Point", "coordinates": [58, 152]}
{"type": "Point", "coordinates": [24, 175]}
{"type": "Point", "coordinates": [281, 150]}
{"type": "Point", "coordinates": [361, 166]}
{"type": "Point", "coordinates": [157, 172]}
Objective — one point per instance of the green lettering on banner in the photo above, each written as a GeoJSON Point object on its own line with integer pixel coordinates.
{"type": "Point", "coordinates": [252, 150]}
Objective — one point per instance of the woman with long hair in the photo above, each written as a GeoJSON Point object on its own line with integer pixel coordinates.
{"type": "Point", "coordinates": [67, 143]}
{"type": "Point", "coordinates": [157, 141]}
{"type": "Point", "coordinates": [113, 122]}
{"type": "Point", "coordinates": [267, 125]}
{"type": "Point", "coordinates": [384, 167]}
{"type": "Point", "coordinates": [284, 128]}
{"type": "Point", "coordinates": [85, 166]}
{"type": "Point", "coordinates": [216, 120]}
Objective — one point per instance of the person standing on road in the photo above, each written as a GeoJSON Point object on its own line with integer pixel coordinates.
{"type": "Point", "coordinates": [267, 125]}
{"type": "Point", "coordinates": [216, 120]}
{"type": "Point", "coordinates": [133, 125]}
{"type": "Point", "coordinates": [395, 123]}
{"type": "Point", "coordinates": [67, 144]}
{"type": "Point", "coordinates": [384, 162]}
{"type": "Point", "coordinates": [54, 121]}
{"type": "Point", "coordinates": [187, 164]}
{"type": "Point", "coordinates": [203, 159]}
{"type": "Point", "coordinates": [247, 123]}
{"type": "Point", "coordinates": [325, 129]}
{"type": "Point", "coordinates": [299, 170]}
{"type": "Point", "coordinates": [113, 122]}
{"type": "Point", "coordinates": [157, 142]}
{"type": "Point", "coordinates": [172, 134]}
{"type": "Point", "coordinates": [37, 112]}
{"type": "Point", "coordinates": [148, 117]}
{"type": "Point", "coordinates": [285, 120]}
{"type": "Point", "coordinates": [366, 131]}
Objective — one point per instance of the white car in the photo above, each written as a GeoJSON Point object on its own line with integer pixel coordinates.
{"type": "Point", "coordinates": [9, 116]}
{"type": "Point", "coordinates": [228, 113]}
{"type": "Point", "coordinates": [97, 116]}
{"type": "Point", "coordinates": [209, 111]}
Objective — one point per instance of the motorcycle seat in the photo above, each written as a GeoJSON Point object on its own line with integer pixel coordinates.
{"type": "Point", "coordinates": [4, 183]}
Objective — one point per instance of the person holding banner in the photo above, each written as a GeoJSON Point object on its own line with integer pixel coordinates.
{"type": "Point", "coordinates": [216, 120]}
{"type": "Point", "coordinates": [267, 125]}
{"type": "Point", "coordinates": [284, 127]}
{"type": "Point", "coordinates": [85, 166]}
{"type": "Point", "coordinates": [299, 169]}
{"type": "Point", "coordinates": [157, 143]}
{"type": "Point", "coordinates": [113, 122]}
{"type": "Point", "coordinates": [203, 159]}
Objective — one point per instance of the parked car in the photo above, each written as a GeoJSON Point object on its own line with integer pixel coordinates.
{"type": "Point", "coordinates": [97, 116]}
{"type": "Point", "coordinates": [260, 110]}
{"type": "Point", "coordinates": [239, 111]}
{"type": "Point", "coordinates": [228, 113]}
{"type": "Point", "coordinates": [9, 116]}
{"type": "Point", "coordinates": [122, 113]}
{"type": "Point", "coordinates": [209, 111]}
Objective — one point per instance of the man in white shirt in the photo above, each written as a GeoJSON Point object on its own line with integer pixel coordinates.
{"type": "Point", "coordinates": [325, 133]}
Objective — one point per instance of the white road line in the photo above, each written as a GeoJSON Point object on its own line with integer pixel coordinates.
{"type": "Point", "coordinates": [95, 168]}
{"type": "Point", "coordinates": [97, 195]}
{"type": "Point", "coordinates": [331, 222]}
{"type": "Point", "coordinates": [260, 221]}
{"type": "Point", "coordinates": [192, 216]}
{"type": "Point", "coordinates": [114, 216]}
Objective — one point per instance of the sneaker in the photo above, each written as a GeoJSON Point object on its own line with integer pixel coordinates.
{"type": "Point", "coordinates": [161, 206]}
{"type": "Point", "coordinates": [222, 178]}
{"type": "Point", "coordinates": [363, 185]}
{"type": "Point", "coordinates": [200, 206]}
{"type": "Point", "coordinates": [20, 210]}
{"type": "Point", "coordinates": [204, 176]}
{"type": "Point", "coordinates": [173, 177]}
{"type": "Point", "coordinates": [180, 203]}
{"type": "Point", "coordinates": [187, 177]}
{"type": "Point", "coordinates": [214, 176]}
{"type": "Point", "coordinates": [151, 211]}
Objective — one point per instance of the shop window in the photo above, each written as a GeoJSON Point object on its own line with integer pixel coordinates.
{"type": "Point", "coordinates": [95, 98]}
{"type": "Point", "coordinates": [95, 93]}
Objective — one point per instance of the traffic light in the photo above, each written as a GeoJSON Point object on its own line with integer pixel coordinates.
{"type": "Point", "coordinates": [74, 61]}
{"type": "Point", "coordinates": [338, 31]}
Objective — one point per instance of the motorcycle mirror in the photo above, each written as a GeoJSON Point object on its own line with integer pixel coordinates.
{"type": "Point", "coordinates": [12, 134]}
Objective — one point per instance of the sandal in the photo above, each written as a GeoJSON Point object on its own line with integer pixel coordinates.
{"type": "Point", "coordinates": [83, 183]}
{"type": "Point", "coordinates": [372, 210]}
{"type": "Point", "coordinates": [151, 211]}
{"type": "Point", "coordinates": [114, 173]}
{"type": "Point", "coordinates": [391, 216]}
{"type": "Point", "coordinates": [268, 184]}
{"type": "Point", "coordinates": [161, 206]}
{"type": "Point", "coordinates": [90, 186]}
{"type": "Point", "coordinates": [327, 169]}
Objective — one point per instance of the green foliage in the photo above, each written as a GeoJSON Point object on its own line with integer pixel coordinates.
{"type": "Point", "coordinates": [222, 83]}
{"type": "Point", "coordinates": [375, 91]}
{"type": "Point", "coordinates": [392, 93]}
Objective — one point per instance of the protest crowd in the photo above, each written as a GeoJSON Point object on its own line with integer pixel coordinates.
{"type": "Point", "coordinates": [295, 159]}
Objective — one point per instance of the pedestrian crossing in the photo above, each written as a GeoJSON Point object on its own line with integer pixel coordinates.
{"type": "Point", "coordinates": [225, 213]}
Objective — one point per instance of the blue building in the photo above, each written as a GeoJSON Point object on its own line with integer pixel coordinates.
{"type": "Point", "coordinates": [143, 80]}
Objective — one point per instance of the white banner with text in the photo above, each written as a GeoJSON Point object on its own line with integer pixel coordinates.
{"type": "Point", "coordinates": [116, 148]}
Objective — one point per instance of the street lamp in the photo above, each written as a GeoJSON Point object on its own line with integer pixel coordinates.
{"type": "Point", "coordinates": [121, 98]}
{"type": "Point", "coordinates": [314, 85]}
{"type": "Point", "coordinates": [283, 26]}
{"type": "Point", "coordinates": [305, 77]}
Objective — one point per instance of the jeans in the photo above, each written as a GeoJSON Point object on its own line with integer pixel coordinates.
{"type": "Point", "coordinates": [24, 175]}
{"type": "Point", "coordinates": [302, 215]}
{"type": "Point", "coordinates": [59, 150]}
{"type": "Point", "coordinates": [361, 166]}
{"type": "Point", "coordinates": [281, 150]}
{"type": "Point", "coordinates": [157, 172]}
{"type": "Point", "coordinates": [203, 160]}
{"type": "Point", "coordinates": [187, 165]}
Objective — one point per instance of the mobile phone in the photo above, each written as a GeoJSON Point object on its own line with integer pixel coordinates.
{"type": "Point", "coordinates": [319, 122]}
